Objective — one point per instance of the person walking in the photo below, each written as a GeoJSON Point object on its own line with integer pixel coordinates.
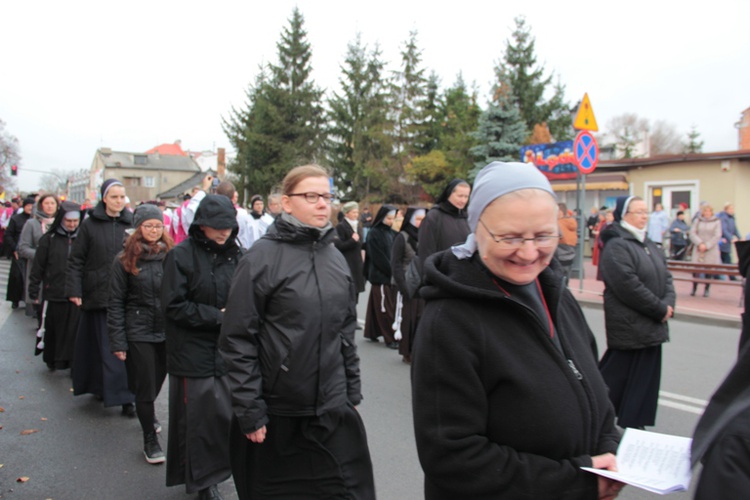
{"type": "Point", "coordinates": [100, 237]}
{"type": "Point", "coordinates": [445, 224]}
{"type": "Point", "coordinates": [381, 305]}
{"type": "Point", "coordinates": [408, 308]}
{"type": "Point", "coordinates": [288, 340]}
{"type": "Point", "coordinates": [705, 236]}
{"type": "Point", "coordinates": [46, 209]}
{"type": "Point", "coordinates": [195, 287]}
{"type": "Point", "coordinates": [47, 279]}
{"type": "Point", "coordinates": [349, 240]}
{"type": "Point", "coordinates": [16, 289]}
{"type": "Point", "coordinates": [135, 321]}
{"type": "Point", "coordinates": [639, 300]}
{"type": "Point", "coordinates": [679, 235]}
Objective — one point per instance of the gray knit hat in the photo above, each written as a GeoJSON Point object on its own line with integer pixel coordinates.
{"type": "Point", "coordinates": [146, 212]}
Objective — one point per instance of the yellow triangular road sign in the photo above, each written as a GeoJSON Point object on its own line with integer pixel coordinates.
{"type": "Point", "coordinates": [585, 118]}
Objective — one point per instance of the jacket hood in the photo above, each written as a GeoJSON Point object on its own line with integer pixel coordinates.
{"type": "Point", "coordinates": [217, 212]}
{"type": "Point", "coordinates": [100, 212]}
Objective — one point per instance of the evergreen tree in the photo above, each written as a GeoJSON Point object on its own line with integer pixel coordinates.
{"type": "Point", "coordinates": [693, 145]}
{"type": "Point", "coordinates": [501, 131]}
{"type": "Point", "coordinates": [358, 143]}
{"type": "Point", "coordinates": [529, 85]}
{"type": "Point", "coordinates": [282, 125]}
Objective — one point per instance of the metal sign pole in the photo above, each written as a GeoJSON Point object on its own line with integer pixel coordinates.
{"type": "Point", "coordinates": [582, 227]}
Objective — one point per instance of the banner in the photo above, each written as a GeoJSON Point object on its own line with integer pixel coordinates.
{"type": "Point", "coordinates": [556, 161]}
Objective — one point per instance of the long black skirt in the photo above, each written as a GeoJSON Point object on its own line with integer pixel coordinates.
{"type": "Point", "coordinates": [95, 369]}
{"type": "Point", "coordinates": [305, 458]}
{"type": "Point", "coordinates": [411, 311]}
{"type": "Point", "coordinates": [381, 309]}
{"type": "Point", "coordinates": [15, 291]}
{"type": "Point", "coordinates": [633, 378]}
{"type": "Point", "coordinates": [60, 327]}
{"type": "Point", "coordinates": [200, 415]}
{"type": "Point", "coordinates": [146, 364]}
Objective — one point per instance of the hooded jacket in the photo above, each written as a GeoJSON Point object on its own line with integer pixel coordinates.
{"type": "Point", "coordinates": [499, 410]}
{"type": "Point", "coordinates": [99, 239]}
{"type": "Point", "coordinates": [288, 332]}
{"type": "Point", "coordinates": [638, 288]}
{"type": "Point", "coordinates": [195, 287]}
{"type": "Point", "coordinates": [51, 259]}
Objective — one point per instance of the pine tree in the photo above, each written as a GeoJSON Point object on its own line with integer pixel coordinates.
{"type": "Point", "coordinates": [529, 85]}
{"type": "Point", "coordinates": [460, 114]}
{"type": "Point", "coordinates": [357, 139]}
{"type": "Point", "coordinates": [282, 125]}
{"type": "Point", "coordinates": [501, 131]}
{"type": "Point", "coordinates": [693, 145]}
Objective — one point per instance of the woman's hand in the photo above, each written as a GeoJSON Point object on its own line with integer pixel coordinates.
{"type": "Point", "coordinates": [258, 436]}
{"type": "Point", "coordinates": [76, 301]}
{"type": "Point", "coordinates": [121, 355]}
{"type": "Point", "coordinates": [670, 313]}
{"type": "Point", "coordinates": [608, 488]}
{"type": "Point", "coordinates": [702, 248]}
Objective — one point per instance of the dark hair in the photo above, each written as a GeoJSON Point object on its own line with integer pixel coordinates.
{"type": "Point", "coordinates": [44, 197]}
{"type": "Point", "coordinates": [134, 248]}
{"type": "Point", "coordinates": [226, 188]}
{"type": "Point", "coordinates": [680, 212]}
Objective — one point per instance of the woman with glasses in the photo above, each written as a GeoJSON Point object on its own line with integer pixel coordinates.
{"type": "Point", "coordinates": [135, 320]}
{"type": "Point", "coordinates": [507, 397]}
{"type": "Point", "coordinates": [288, 340]}
{"type": "Point", "coordinates": [639, 300]}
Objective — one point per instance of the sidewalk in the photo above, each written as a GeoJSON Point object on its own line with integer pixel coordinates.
{"type": "Point", "coordinates": [724, 306]}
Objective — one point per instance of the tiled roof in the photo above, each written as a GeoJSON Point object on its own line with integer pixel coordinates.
{"type": "Point", "coordinates": [167, 149]}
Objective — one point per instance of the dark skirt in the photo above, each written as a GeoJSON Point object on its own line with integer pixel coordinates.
{"type": "Point", "coordinates": [379, 322]}
{"type": "Point", "coordinates": [60, 327]}
{"type": "Point", "coordinates": [15, 291]}
{"type": "Point", "coordinates": [200, 414]}
{"type": "Point", "coordinates": [146, 364]}
{"type": "Point", "coordinates": [95, 369]}
{"type": "Point", "coordinates": [410, 313]}
{"type": "Point", "coordinates": [305, 458]}
{"type": "Point", "coordinates": [633, 378]}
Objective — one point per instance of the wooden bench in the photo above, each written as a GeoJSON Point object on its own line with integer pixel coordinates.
{"type": "Point", "coordinates": [687, 271]}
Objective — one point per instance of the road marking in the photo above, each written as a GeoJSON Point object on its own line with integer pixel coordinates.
{"type": "Point", "coordinates": [695, 406]}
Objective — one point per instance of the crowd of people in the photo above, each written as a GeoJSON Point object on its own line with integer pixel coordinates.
{"type": "Point", "coordinates": [251, 314]}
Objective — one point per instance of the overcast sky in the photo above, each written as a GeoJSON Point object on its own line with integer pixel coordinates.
{"type": "Point", "coordinates": [79, 75]}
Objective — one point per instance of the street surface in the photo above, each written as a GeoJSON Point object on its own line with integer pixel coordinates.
{"type": "Point", "coordinates": [84, 451]}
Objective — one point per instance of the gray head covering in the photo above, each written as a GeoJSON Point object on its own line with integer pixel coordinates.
{"type": "Point", "coordinates": [146, 212]}
{"type": "Point", "coordinates": [348, 207]}
{"type": "Point", "coordinates": [493, 181]}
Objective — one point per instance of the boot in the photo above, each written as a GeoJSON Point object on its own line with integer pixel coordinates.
{"type": "Point", "coordinates": [151, 448]}
{"type": "Point", "coordinates": [210, 493]}
{"type": "Point", "coordinates": [705, 291]}
{"type": "Point", "coordinates": [695, 289]}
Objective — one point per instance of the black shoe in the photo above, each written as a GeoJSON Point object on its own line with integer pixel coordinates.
{"type": "Point", "coordinates": [157, 426]}
{"type": "Point", "coordinates": [392, 345]}
{"type": "Point", "coordinates": [14, 304]}
{"type": "Point", "coordinates": [374, 340]}
{"type": "Point", "coordinates": [151, 449]}
{"type": "Point", "coordinates": [210, 493]}
{"type": "Point", "coordinates": [128, 410]}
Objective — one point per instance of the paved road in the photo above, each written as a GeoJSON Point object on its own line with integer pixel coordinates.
{"type": "Point", "coordinates": [85, 451]}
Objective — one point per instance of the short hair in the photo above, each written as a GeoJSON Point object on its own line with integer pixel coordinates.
{"type": "Point", "coordinates": [680, 212]}
{"type": "Point", "coordinates": [225, 188]}
{"type": "Point", "coordinates": [298, 174]}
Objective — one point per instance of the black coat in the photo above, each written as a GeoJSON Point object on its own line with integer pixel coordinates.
{"type": "Point", "coordinates": [12, 233]}
{"type": "Point", "coordinates": [638, 288]}
{"type": "Point", "coordinates": [351, 249]}
{"type": "Point", "coordinates": [134, 313]}
{"type": "Point", "coordinates": [195, 288]}
{"type": "Point", "coordinates": [99, 239]}
{"type": "Point", "coordinates": [50, 266]}
{"type": "Point", "coordinates": [379, 246]}
{"type": "Point", "coordinates": [499, 410]}
{"type": "Point", "coordinates": [288, 332]}
{"type": "Point", "coordinates": [443, 226]}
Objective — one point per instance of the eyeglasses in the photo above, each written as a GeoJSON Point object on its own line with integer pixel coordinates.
{"type": "Point", "coordinates": [314, 197]}
{"type": "Point", "coordinates": [153, 227]}
{"type": "Point", "coordinates": [543, 241]}
{"type": "Point", "coordinates": [641, 212]}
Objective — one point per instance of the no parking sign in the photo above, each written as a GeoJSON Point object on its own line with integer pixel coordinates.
{"type": "Point", "coordinates": [586, 152]}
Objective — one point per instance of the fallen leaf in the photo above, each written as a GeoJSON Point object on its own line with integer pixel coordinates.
{"type": "Point", "coordinates": [21, 397]}
{"type": "Point", "coordinates": [1, 426]}
{"type": "Point", "coordinates": [44, 419]}
{"type": "Point", "coordinates": [22, 479]}
{"type": "Point", "coordinates": [2, 409]}
{"type": "Point", "coordinates": [29, 431]}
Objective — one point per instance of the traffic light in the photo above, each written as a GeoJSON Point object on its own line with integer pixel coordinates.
{"type": "Point", "coordinates": [14, 170]}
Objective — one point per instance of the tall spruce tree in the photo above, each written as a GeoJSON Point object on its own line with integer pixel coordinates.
{"type": "Point", "coordinates": [501, 131]}
{"type": "Point", "coordinates": [282, 126]}
{"type": "Point", "coordinates": [358, 143]}
{"type": "Point", "coordinates": [529, 85]}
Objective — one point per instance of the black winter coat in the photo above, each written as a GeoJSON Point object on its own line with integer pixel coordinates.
{"type": "Point", "coordinates": [638, 288]}
{"type": "Point", "coordinates": [134, 313]}
{"type": "Point", "coordinates": [379, 246]}
{"type": "Point", "coordinates": [99, 239]}
{"type": "Point", "coordinates": [50, 265]}
{"type": "Point", "coordinates": [288, 332]}
{"type": "Point", "coordinates": [13, 232]}
{"type": "Point", "coordinates": [352, 251]}
{"type": "Point", "coordinates": [499, 410]}
{"type": "Point", "coordinates": [443, 226]}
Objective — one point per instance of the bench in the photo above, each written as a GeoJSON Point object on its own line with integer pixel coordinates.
{"type": "Point", "coordinates": [687, 271]}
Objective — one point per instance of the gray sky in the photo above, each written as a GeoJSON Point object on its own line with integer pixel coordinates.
{"type": "Point", "coordinates": [80, 75]}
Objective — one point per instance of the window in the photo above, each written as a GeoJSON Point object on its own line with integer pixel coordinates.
{"type": "Point", "coordinates": [149, 182]}
{"type": "Point", "coordinates": [140, 159]}
{"type": "Point", "coordinates": [132, 181]}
